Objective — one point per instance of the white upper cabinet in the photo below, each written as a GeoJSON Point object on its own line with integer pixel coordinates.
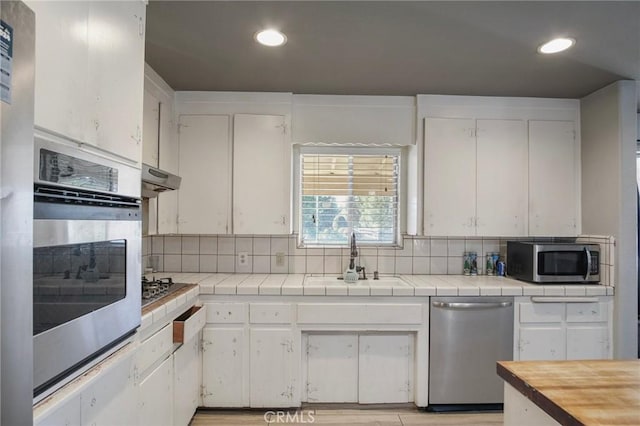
{"type": "Point", "coordinates": [89, 73]}
{"type": "Point", "coordinates": [62, 57]}
{"type": "Point", "coordinates": [116, 76]}
{"type": "Point", "coordinates": [450, 176]}
{"type": "Point", "coordinates": [475, 177]}
{"type": "Point", "coordinates": [150, 129]}
{"type": "Point", "coordinates": [205, 192]}
{"type": "Point", "coordinates": [501, 206]}
{"type": "Point", "coordinates": [500, 166]}
{"type": "Point", "coordinates": [553, 178]}
{"type": "Point", "coordinates": [261, 158]}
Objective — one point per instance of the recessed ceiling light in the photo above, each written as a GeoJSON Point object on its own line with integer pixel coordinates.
{"type": "Point", "coordinates": [270, 38]}
{"type": "Point", "coordinates": [557, 45]}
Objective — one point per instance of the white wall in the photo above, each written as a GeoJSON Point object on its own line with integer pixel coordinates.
{"type": "Point", "coordinates": [609, 195]}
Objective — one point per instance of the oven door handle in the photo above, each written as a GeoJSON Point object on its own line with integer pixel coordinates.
{"type": "Point", "coordinates": [588, 272]}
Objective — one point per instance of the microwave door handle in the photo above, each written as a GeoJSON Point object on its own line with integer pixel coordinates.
{"type": "Point", "coordinates": [588, 272]}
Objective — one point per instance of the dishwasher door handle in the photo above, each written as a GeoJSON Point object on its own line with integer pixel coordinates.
{"type": "Point", "coordinates": [470, 305]}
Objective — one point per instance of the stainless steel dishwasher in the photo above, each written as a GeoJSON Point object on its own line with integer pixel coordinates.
{"type": "Point", "coordinates": [467, 336]}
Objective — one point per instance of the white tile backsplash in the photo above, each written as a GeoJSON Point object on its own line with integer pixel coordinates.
{"type": "Point", "coordinates": [421, 247]}
{"type": "Point", "coordinates": [173, 245]}
{"type": "Point", "coordinates": [419, 255]}
{"type": "Point", "coordinates": [208, 245]}
{"type": "Point", "coordinates": [208, 263]}
{"type": "Point", "coordinates": [279, 269]}
{"type": "Point", "coordinates": [279, 245]}
{"type": "Point", "coordinates": [404, 265]}
{"type": "Point", "coordinates": [262, 246]}
{"type": "Point", "coordinates": [244, 245]}
{"type": "Point", "coordinates": [190, 263]}
{"type": "Point", "coordinates": [456, 247]}
{"type": "Point", "coordinates": [439, 247]}
{"type": "Point", "coordinates": [190, 245]}
{"type": "Point", "coordinates": [387, 265]}
{"type": "Point", "coordinates": [172, 263]}
{"type": "Point", "coordinates": [438, 265]}
{"type": "Point", "coordinates": [261, 264]}
{"type": "Point", "coordinates": [226, 245]}
{"type": "Point", "coordinates": [226, 263]}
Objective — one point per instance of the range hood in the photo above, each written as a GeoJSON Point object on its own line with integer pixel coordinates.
{"type": "Point", "coordinates": [155, 181]}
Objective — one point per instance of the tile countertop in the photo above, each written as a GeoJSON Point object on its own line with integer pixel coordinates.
{"type": "Point", "coordinates": [414, 285]}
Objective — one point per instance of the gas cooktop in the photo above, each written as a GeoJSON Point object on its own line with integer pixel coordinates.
{"type": "Point", "coordinates": [156, 289]}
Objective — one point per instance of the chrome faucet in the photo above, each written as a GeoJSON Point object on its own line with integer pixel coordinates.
{"type": "Point", "coordinates": [353, 255]}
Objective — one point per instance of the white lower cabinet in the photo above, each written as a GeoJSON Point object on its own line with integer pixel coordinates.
{"type": "Point", "coordinates": [223, 367]}
{"type": "Point", "coordinates": [385, 368]}
{"type": "Point", "coordinates": [187, 381]}
{"type": "Point", "coordinates": [366, 368]}
{"type": "Point", "coordinates": [272, 367]}
{"type": "Point", "coordinates": [563, 328]}
{"type": "Point", "coordinates": [156, 396]}
{"type": "Point", "coordinates": [112, 399]}
{"type": "Point", "coordinates": [332, 368]}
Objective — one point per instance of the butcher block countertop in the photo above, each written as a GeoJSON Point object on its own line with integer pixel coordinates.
{"type": "Point", "coordinates": [602, 392]}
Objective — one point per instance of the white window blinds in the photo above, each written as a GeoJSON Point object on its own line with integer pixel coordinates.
{"type": "Point", "coordinates": [345, 193]}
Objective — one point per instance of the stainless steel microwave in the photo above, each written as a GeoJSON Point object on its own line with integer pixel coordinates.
{"type": "Point", "coordinates": [553, 262]}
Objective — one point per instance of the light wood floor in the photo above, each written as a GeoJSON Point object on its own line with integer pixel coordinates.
{"type": "Point", "coordinates": [348, 416]}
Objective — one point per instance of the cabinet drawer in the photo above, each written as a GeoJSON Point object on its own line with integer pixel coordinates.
{"type": "Point", "coordinates": [188, 324]}
{"type": "Point", "coordinates": [359, 313]}
{"type": "Point", "coordinates": [541, 312]}
{"type": "Point", "coordinates": [587, 312]}
{"type": "Point", "coordinates": [226, 313]}
{"type": "Point", "coordinates": [155, 348]}
{"type": "Point", "coordinates": [270, 313]}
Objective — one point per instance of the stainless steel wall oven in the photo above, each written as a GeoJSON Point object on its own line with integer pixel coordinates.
{"type": "Point", "coordinates": [86, 257]}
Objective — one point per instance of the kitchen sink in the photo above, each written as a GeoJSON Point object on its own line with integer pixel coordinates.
{"type": "Point", "coordinates": [334, 281]}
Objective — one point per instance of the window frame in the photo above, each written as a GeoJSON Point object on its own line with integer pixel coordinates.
{"type": "Point", "coordinates": [299, 150]}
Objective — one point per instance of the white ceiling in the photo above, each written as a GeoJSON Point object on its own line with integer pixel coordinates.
{"type": "Point", "coordinates": [395, 47]}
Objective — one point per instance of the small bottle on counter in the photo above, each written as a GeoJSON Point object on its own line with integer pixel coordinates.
{"type": "Point", "coordinates": [473, 256]}
{"type": "Point", "coordinates": [489, 265]}
{"type": "Point", "coordinates": [501, 268]}
{"type": "Point", "coordinates": [466, 263]}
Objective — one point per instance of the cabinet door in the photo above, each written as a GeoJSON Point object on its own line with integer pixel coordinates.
{"type": "Point", "coordinates": [502, 201]}
{"type": "Point", "coordinates": [204, 194]}
{"type": "Point", "coordinates": [187, 378]}
{"type": "Point", "coordinates": [223, 367]}
{"type": "Point", "coordinates": [113, 399]}
{"type": "Point", "coordinates": [261, 170]}
{"type": "Point", "coordinates": [450, 176]}
{"type": "Point", "coordinates": [116, 76]}
{"type": "Point", "coordinates": [150, 129]}
{"type": "Point", "coordinates": [541, 343]}
{"type": "Point", "coordinates": [332, 368]}
{"type": "Point", "coordinates": [169, 154]}
{"type": "Point", "coordinates": [385, 369]}
{"type": "Point", "coordinates": [588, 341]}
{"type": "Point", "coordinates": [273, 361]}
{"type": "Point", "coordinates": [62, 57]}
{"type": "Point", "coordinates": [553, 180]}
{"type": "Point", "coordinates": [156, 396]}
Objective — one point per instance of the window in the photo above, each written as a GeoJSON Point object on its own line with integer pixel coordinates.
{"type": "Point", "coordinates": [349, 190]}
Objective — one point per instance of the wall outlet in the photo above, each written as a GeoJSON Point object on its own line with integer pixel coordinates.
{"type": "Point", "coordinates": [279, 258]}
{"type": "Point", "coordinates": [243, 258]}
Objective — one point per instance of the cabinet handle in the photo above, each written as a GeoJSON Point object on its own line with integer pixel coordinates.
{"type": "Point", "coordinates": [561, 299]}
{"type": "Point", "coordinates": [460, 305]}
